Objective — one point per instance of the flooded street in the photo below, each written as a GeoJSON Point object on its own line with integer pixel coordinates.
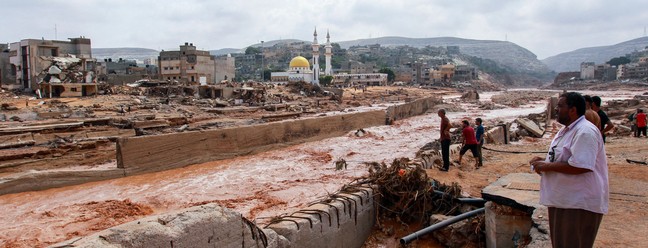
{"type": "Point", "coordinates": [258, 186]}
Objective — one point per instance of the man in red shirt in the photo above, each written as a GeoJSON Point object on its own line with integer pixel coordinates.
{"type": "Point", "coordinates": [641, 122]}
{"type": "Point", "coordinates": [469, 142]}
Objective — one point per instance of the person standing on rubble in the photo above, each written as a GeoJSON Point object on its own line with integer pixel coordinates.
{"type": "Point", "coordinates": [640, 118]}
{"type": "Point", "coordinates": [479, 135]}
{"type": "Point", "coordinates": [606, 123]}
{"type": "Point", "coordinates": [445, 139]}
{"type": "Point", "coordinates": [469, 142]}
{"type": "Point", "coordinates": [590, 114]}
{"type": "Point", "coordinates": [574, 177]}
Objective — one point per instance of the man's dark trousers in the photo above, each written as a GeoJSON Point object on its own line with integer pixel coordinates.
{"type": "Point", "coordinates": [445, 152]}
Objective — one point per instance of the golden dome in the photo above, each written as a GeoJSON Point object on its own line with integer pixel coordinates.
{"type": "Point", "coordinates": [299, 61]}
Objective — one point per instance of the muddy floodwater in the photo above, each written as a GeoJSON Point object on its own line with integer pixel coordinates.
{"type": "Point", "coordinates": [259, 186]}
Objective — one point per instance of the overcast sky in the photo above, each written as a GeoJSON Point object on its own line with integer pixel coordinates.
{"type": "Point", "coordinates": [545, 27]}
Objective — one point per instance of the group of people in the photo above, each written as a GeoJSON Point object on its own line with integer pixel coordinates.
{"type": "Point", "coordinates": [574, 173]}
{"type": "Point", "coordinates": [638, 120]}
{"type": "Point", "coordinates": [471, 140]}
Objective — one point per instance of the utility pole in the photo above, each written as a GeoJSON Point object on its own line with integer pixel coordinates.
{"type": "Point", "coordinates": [262, 63]}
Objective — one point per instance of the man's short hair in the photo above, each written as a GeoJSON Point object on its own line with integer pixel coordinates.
{"type": "Point", "coordinates": [479, 120]}
{"type": "Point", "coordinates": [597, 101]}
{"type": "Point", "coordinates": [442, 111]}
{"type": "Point", "coordinates": [574, 99]}
{"type": "Point", "coordinates": [465, 122]}
{"type": "Point", "coordinates": [588, 98]}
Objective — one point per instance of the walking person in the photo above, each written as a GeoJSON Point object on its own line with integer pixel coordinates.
{"type": "Point", "coordinates": [640, 118]}
{"type": "Point", "coordinates": [479, 134]}
{"type": "Point", "coordinates": [445, 139]}
{"type": "Point", "coordinates": [606, 123]}
{"type": "Point", "coordinates": [574, 177]}
{"type": "Point", "coordinates": [469, 142]}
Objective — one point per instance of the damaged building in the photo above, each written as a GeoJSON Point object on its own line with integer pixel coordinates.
{"type": "Point", "coordinates": [57, 68]}
{"type": "Point", "coordinates": [187, 66]}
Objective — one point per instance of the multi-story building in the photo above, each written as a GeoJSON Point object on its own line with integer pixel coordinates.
{"type": "Point", "coordinates": [187, 66]}
{"type": "Point", "coordinates": [224, 68]}
{"type": "Point", "coordinates": [633, 70]}
{"type": "Point", "coordinates": [587, 70]}
{"type": "Point", "coordinates": [5, 68]}
{"type": "Point", "coordinates": [364, 79]}
{"type": "Point", "coordinates": [32, 62]}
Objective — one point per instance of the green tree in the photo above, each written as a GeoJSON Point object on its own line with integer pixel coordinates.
{"type": "Point", "coordinates": [618, 61]}
{"type": "Point", "coordinates": [252, 50]}
{"type": "Point", "coordinates": [326, 80]}
{"type": "Point", "coordinates": [390, 74]}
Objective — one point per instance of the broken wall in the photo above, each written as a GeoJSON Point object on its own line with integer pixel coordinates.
{"type": "Point", "coordinates": [162, 152]}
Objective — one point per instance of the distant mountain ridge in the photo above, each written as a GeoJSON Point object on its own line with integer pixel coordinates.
{"type": "Point", "coordinates": [570, 61]}
{"type": "Point", "coordinates": [503, 52]}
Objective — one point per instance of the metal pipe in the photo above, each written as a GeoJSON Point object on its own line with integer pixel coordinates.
{"type": "Point", "coordinates": [409, 238]}
{"type": "Point", "coordinates": [472, 201]}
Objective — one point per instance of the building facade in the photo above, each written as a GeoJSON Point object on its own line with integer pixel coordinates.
{"type": "Point", "coordinates": [225, 68]}
{"type": "Point", "coordinates": [187, 66]}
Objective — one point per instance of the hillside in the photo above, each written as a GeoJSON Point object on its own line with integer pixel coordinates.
{"type": "Point", "coordinates": [570, 61]}
{"type": "Point", "coordinates": [124, 53]}
{"type": "Point", "coordinates": [503, 52]}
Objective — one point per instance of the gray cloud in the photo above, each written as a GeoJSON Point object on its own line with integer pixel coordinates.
{"type": "Point", "coordinates": [544, 27]}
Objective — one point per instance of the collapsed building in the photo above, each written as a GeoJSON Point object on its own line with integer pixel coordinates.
{"type": "Point", "coordinates": [56, 68]}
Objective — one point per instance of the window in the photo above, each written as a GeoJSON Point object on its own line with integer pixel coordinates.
{"type": "Point", "coordinates": [73, 89]}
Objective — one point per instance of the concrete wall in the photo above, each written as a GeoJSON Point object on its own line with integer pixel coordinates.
{"type": "Point", "coordinates": [345, 221]}
{"type": "Point", "coordinates": [161, 152]}
{"type": "Point", "coordinates": [40, 180]}
{"type": "Point", "coordinates": [417, 107]}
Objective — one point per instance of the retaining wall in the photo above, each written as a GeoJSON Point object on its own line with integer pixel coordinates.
{"type": "Point", "coordinates": [345, 220]}
{"type": "Point", "coordinates": [417, 107]}
{"type": "Point", "coordinates": [162, 152]}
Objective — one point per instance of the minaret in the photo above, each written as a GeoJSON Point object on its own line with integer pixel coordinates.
{"type": "Point", "coordinates": [316, 69]}
{"type": "Point", "coordinates": [328, 54]}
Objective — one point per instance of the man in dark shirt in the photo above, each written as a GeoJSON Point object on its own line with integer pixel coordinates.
{"type": "Point", "coordinates": [445, 139]}
{"type": "Point", "coordinates": [479, 134]}
{"type": "Point", "coordinates": [606, 123]}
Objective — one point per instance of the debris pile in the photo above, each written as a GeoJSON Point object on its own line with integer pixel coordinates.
{"type": "Point", "coordinates": [407, 193]}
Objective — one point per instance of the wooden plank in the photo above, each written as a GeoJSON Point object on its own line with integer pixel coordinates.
{"type": "Point", "coordinates": [37, 128]}
{"type": "Point", "coordinates": [39, 180]}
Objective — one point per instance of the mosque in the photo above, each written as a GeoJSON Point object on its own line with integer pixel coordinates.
{"type": "Point", "coordinates": [300, 69]}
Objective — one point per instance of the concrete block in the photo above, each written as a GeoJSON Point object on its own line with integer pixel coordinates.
{"type": "Point", "coordinates": [502, 224]}
{"type": "Point", "coordinates": [530, 126]}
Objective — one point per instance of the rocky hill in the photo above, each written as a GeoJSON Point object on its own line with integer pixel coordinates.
{"type": "Point", "coordinates": [503, 52]}
{"type": "Point", "coordinates": [570, 61]}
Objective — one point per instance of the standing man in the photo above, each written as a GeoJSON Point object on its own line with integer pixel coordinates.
{"type": "Point", "coordinates": [606, 124]}
{"type": "Point", "coordinates": [574, 182]}
{"type": "Point", "coordinates": [641, 122]}
{"type": "Point", "coordinates": [479, 134]}
{"type": "Point", "coordinates": [445, 139]}
{"type": "Point", "coordinates": [469, 142]}
{"type": "Point", "coordinates": [590, 114]}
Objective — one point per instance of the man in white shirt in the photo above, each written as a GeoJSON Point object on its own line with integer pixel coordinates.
{"type": "Point", "coordinates": [574, 184]}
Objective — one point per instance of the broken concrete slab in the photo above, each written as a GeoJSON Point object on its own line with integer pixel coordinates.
{"type": "Point", "coordinates": [530, 126]}
{"type": "Point", "coordinates": [521, 191]}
